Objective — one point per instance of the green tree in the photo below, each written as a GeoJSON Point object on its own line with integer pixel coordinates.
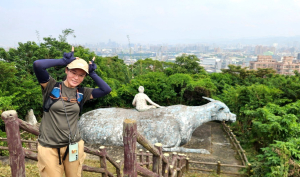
{"type": "Point", "coordinates": [7, 77]}
{"type": "Point", "coordinates": [243, 73]}
{"type": "Point", "coordinates": [188, 64]}
{"type": "Point", "coordinates": [146, 66]}
{"type": "Point", "coordinates": [65, 33]}
{"type": "Point", "coordinates": [18, 92]}
{"type": "Point", "coordinates": [279, 159]}
{"type": "Point", "coordinates": [271, 123]}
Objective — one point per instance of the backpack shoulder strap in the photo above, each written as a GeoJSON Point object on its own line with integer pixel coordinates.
{"type": "Point", "coordinates": [52, 97]}
{"type": "Point", "coordinates": [56, 91]}
{"type": "Point", "coordinates": [80, 91]}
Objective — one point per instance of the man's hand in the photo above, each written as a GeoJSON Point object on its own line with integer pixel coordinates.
{"type": "Point", "coordinates": [69, 57]}
{"type": "Point", "coordinates": [92, 66]}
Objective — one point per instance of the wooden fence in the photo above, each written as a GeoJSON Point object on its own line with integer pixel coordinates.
{"type": "Point", "coordinates": [236, 144]}
{"type": "Point", "coordinates": [17, 153]}
{"type": "Point", "coordinates": [134, 163]}
{"type": "Point", "coordinates": [31, 145]}
{"type": "Point", "coordinates": [218, 166]}
{"type": "Point", "coordinates": [151, 163]}
{"type": "Point", "coordinates": [162, 164]}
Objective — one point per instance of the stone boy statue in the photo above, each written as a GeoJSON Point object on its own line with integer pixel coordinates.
{"type": "Point", "coordinates": [140, 101]}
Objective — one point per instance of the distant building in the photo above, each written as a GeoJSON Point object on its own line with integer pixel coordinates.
{"type": "Point", "coordinates": [225, 63]}
{"type": "Point", "coordinates": [298, 56]}
{"type": "Point", "coordinates": [209, 61]}
{"type": "Point", "coordinates": [259, 49]}
{"type": "Point", "coordinates": [129, 61]}
{"type": "Point", "coordinates": [211, 64]}
{"type": "Point", "coordinates": [250, 58]}
{"type": "Point", "coordinates": [218, 50]}
{"type": "Point", "coordinates": [286, 67]}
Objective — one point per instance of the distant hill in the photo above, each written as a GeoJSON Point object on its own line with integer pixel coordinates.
{"type": "Point", "coordinates": [289, 41]}
{"type": "Point", "coordinates": [280, 40]}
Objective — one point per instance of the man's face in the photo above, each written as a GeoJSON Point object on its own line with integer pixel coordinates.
{"type": "Point", "coordinates": [75, 77]}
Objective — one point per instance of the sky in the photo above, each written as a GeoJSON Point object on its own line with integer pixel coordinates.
{"type": "Point", "coordinates": [147, 22]}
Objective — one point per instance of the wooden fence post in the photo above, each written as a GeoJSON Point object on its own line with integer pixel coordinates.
{"type": "Point", "coordinates": [219, 168]}
{"type": "Point", "coordinates": [129, 140]}
{"type": "Point", "coordinates": [29, 144]}
{"type": "Point", "coordinates": [141, 156]}
{"type": "Point", "coordinates": [103, 160]}
{"type": "Point", "coordinates": [148, 159]}
{"type": "Point", "coordinates": [171, 171]}
{"type": "Point", "coordinates": [16, 153]}
{"type": "Point", "coordinates": [250, 171]}
{"type": "Point", "coordinates": [187, 165]}
{"type": "Point", "coordinates": [174, 164]}
{"type": "Point", "coordinates": [179, 165]}
{"type": "Point", "coordinates": [118, 170]}
{"type": "Point", "coordinates": [157, 160]}
{"type": "Point", "coordinates": [184, 163]}
{"type": "Point", "coordinates": [165, 166]}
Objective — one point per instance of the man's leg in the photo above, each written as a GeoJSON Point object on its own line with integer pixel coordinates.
{"type": "Point", "coordinates": [73, 169]}
{"type": "Point", "coordinates": [48, 162]}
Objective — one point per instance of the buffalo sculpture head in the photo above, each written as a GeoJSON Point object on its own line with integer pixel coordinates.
{"type": "Point", "coordinates": [221, 112]}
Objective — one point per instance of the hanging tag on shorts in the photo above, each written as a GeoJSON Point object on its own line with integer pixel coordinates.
{"type": "Point", "coordinates": [73, 152]}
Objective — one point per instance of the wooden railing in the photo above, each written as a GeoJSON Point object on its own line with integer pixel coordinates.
{"type": "Point", "coordinates": [30, 145]}
{"type": "Point", "coordinates": [151, 163]}
{"type": "Point", "coordinates": [236, 144]}
{"type": "Point", "coordinates": [17, 153]}
{"type": "Point", "coordinates": [162, 164]}
{"type": "Point", "coordinates": [218, 167]}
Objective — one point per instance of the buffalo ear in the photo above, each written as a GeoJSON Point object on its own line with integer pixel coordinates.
{"type": "Point", "coordinates": [209, 99]}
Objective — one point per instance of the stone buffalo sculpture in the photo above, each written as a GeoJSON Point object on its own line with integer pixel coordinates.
{"type": "Point", "coordinates": [172, 125]}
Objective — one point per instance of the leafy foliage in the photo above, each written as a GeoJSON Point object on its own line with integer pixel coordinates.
{"type": "Point", "coordinates": [187, 64]}
{"type": "Point", "coordinates": [279, 159]}
{"type": "Point", "coordinates": [65, 33]}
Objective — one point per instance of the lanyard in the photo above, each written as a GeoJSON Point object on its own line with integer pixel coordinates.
{"type": "Point", "coordinates": [70, 134]}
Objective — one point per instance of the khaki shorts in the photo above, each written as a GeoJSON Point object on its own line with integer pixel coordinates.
{"type": "Point", "coordinates": [48, 162]}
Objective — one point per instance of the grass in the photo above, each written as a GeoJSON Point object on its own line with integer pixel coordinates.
{"type": "Point", "coordinates": [32, 170]}
{"type": "Point", "coordinates": [192, 174]}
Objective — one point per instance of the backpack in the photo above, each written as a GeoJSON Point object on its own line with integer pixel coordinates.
{"type": "Point", "coordinates": [55, 95]}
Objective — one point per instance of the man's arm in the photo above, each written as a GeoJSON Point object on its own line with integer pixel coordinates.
{"type": "Point", "coordinates": [40, 66]}
{"type": "Point", "coordinates": [151, 102]}
{"type": "Point", "coordinates": [104, 88]}
{"type": "Point", "coordinates": [134, 101]}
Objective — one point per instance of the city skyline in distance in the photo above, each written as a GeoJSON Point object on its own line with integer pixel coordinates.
{"type": "Point", "coordinates": [155, 22]}
{"type": "Point", "coordinates": [293, 41]}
